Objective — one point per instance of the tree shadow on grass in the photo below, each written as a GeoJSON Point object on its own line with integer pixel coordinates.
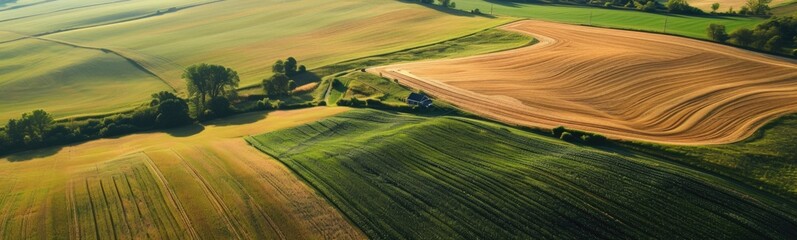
{"type": "Point", "coordinates": [34, 154]}
{"type": "Point", "coordinates": [186, 131]}
{"type": "Point", "coordinates": [244, 118]}
{"type": "Point", "coordinates": [306, 77]}
{"type": "Point", "coordinates": [451, 11]}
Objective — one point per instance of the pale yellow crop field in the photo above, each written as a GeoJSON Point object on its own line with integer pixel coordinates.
{"type": "Point", "coordinates": [194, 182]}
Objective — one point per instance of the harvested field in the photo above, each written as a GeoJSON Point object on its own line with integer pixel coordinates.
{"type": "Point", "coordinates": [624, 84]}
{"type": "Point", "coordinates": [188, 183]}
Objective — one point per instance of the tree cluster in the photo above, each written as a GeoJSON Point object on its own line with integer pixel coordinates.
{"type": "Point", "coordinates": [207, 83]}
{"type": "Point", "coordinates": [756, 7]}
{"type": "Point", "coordinates": [774, 35]}
{"type": "Point", "coordinates": [682, 7]}
{"type": "Point", "coordinates": [282, 82]}
{"type": "Point", "coordinates": [209, 87]}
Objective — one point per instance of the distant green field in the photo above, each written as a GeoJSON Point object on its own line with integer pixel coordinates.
{"type": "Point", "coordinates": [690, 26]}
{"type": "Point", "coordinates": [407, 176]}
{"type": "Point", "coordinates": [35, 75]}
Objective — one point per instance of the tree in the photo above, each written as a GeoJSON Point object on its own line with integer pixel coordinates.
{"type": "Point", "coordinates": [220, 106]}
{"type": "Point", "coordinates": [207, 81]}
{"type": "Point", "coordinates": [742, 37]}
{"type": "Point", "coordinates": [290, 67]}
{"type": "Point", "coordinates": [717, 32]}
{"type": "Point", "coordinates": [278, 67]}
{"type": "Point", "coordinates": [557, 131]}
{"type": "Point", "coordinates": [681, 6]}
{"type": "Point", "coordinates": [277, 85]}
{"type": "Point", "coordinates": [649, 6]}
{"type": "Point", "coordinates": [32, 128]}
{"type": "Point", "coordinates": [38, 123]}
{"type": "Point", "coordinates": [773, 44]}
{"type": "Point", "coordinates": [757, 7]}
{"type": "Point", "coordinates": [161, 96]}
{"type": "Point", "coordinates": [714, 7]}
{"type": "Point", "coordinates": [172, 113]}
{"type": "Point", "coordinates": [744, 10]}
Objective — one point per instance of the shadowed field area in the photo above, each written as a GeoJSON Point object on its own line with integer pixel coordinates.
{"type": "Point", "coordinates": [406, 176]}
{"type": "Point", "coordinates": [188, 183]}
{"type": "Point", "coordinates": [624, 84]}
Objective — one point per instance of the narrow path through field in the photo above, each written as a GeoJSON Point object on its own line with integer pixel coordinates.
{"type": "Point", "coordinates": [625, 84]}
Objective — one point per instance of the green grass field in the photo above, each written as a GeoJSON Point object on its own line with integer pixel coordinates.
{"type": "Point", "coordinates": [690, 26]}
{"type": "Point", "coordinates": [405, 176]}
{"type": "Point", "coordinates": [35, 75]}
{"type": "Point", "coordinates": [766, 160]}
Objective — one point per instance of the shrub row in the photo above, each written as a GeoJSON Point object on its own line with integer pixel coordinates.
{"type": "Point", "coordinates": [575, 136]}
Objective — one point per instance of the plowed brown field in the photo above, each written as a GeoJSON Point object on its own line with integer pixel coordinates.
{"type": "Point", "coordinates": [625, 84]}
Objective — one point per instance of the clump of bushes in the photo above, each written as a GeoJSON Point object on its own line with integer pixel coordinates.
{"type": "Point", "coordinates": [575, 136]}
{"type": "Point", "coordinates": [267, 104]}
{"type": "Point", "coordinates": [282, 82]}
{"type": "Point", "coordinates": [774, 35]}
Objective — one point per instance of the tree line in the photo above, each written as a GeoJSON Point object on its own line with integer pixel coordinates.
{"type": "Point", "coordinates": [38, 129]}
{"type": "Point", "coordinates": [211, 91]}
{"type": "Point", "coordinates": [774, 35]}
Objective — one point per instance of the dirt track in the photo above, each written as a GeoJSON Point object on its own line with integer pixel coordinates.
{"type": "Point", "coordinates": [624, 84]}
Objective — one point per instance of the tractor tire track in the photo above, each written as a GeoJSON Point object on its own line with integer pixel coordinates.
{"type": "Point", "coordinates": [172, 195]}
{"type": "Point", "coordinates": [214, 197]}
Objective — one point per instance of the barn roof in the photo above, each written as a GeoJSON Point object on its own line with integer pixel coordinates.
{"type": "Point", "coordinates": [417, 97]}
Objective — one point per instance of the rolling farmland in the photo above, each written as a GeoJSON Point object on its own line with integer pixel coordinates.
{"type": "Point", "coordinates": [628, 85]}
{"type": "Point", "coordinates": [160, 38]}
{"type": "Point", "coordinates": [187, 183]}
{"type": "Point", "coordinates": [385, 170]}
{"type": "Point", "coordinates": [684, 25]}
{"type": "Point", "coordinates": [90, 82]}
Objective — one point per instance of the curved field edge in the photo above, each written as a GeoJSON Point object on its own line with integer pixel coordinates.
{"type": "Point", "coordinates": [193, 182]}
{"type": "Point", "coordinates": [398, 175]}
{"type": "Point", "coordinates": [88, 81]}
{"type": "Point", "coordinates": [682, 25]}
{"type": "Point", "coordinates": [566, 84]}
{"type": "Point", "coordinates": [167, 69]}
{"type": "Point", "coordinates": [765, 160]}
